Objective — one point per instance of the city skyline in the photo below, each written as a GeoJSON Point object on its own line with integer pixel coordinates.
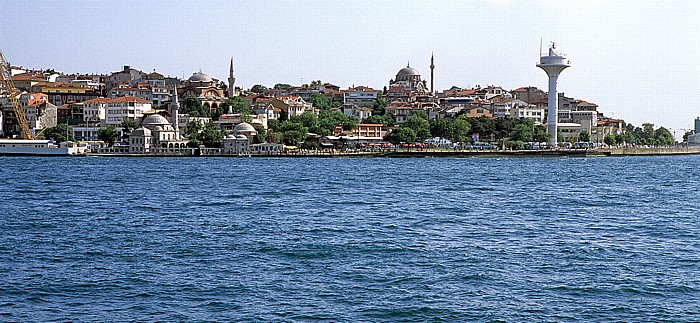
{"type": "Point", "coordinates": [638, 61]}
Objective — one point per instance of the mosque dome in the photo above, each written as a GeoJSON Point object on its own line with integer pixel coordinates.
{"type": "Point", "coordinates": [141, 132]}
{"type": "Point", "coordinates": [155, 120]}
{"type": "Point", "coordinates": [158, 128]}
{"type": "Point", "coordinates": [200, 77]}
{"type": "Point", "coordinates": [244, 127]}
{"type": "Point", "coordinates": [407, 71]}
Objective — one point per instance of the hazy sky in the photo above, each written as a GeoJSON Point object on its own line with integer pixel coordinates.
{"type": "Point", "coordinates": [638, 60]}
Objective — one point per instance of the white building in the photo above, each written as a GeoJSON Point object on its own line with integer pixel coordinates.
{"type": "Point", "coordinates": [358, 112]}
{"type": "Point", "coordinates": [360, 95]}
{"type": "Point", "coordinates": [126, 107]}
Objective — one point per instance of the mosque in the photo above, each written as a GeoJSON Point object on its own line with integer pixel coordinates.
{"type": "Point", "coordinates": [409, 78]}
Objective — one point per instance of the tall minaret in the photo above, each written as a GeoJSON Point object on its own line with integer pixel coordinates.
{"type": "Point", "coordinates": [231, 81]}
{"type": "Point", "coordinates": [176, 114]}
{"type": "Point", "coordinates": [432, 74]}
{"type": "Point", "coordinates": [552, 64]}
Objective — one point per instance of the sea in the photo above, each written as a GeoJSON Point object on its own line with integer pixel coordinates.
{"type": "Point", "coordinates": [110, 239]}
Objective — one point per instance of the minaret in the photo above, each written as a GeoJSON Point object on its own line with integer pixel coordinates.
{"type": "Point", "coordinates": [552, 64]}
{"type": "Point", "coordinates": [432, 72]}
{"type": "Point", "coordinates": [176, 114]}
{"type": "Point", "coordinates": [231, 81]}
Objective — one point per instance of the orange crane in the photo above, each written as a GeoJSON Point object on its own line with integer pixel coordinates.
{"type": "Point", "coordinates": [10, 90]}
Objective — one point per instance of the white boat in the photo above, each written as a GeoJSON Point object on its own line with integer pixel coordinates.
{"type": "Point", "coordinates": [40, 147]}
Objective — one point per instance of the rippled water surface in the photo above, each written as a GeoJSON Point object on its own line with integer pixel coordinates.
{"type": "Point", "coordinates": [230, 239]}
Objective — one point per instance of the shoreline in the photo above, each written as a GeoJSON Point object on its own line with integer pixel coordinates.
{"type": "Point", "coordinates": [438, 153]}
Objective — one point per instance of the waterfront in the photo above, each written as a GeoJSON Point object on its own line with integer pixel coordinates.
{"type": "Point", "coordinates": [265, 239]}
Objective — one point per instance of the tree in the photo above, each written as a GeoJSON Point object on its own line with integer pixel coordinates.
{"type": "Point", "coordinates": [522, 132]}
{"type": "Point", "coordinates": [419, 125]}
{"type": "Point", "coordinates": [282, 86]}
{"type": "Point", "coordinates": [459, 130]}
{"type": "Point", "coordinates": [540, 134]}
{"type": "Point", "coordinates": [129, 125]}
{"type": "Point", "coordinates": [258, 88]}
{"type": "Point", "coordinates": [315, 83]}
{"type": "Point", "coordinates": [584, 136]}
{"type": "Point", "coordinates": [211, 136]}
{"type": "Point", "coordinates": [399, 135]}
{"type": "Point", "coordinates": [375, 119]}
{"type": "Point", "coordinates": [609, 139]}
{"type": "Point", "coordinates": [379, 107]}
{"type": "Point", "coordinates": [58, 133]}
{"type": "Point", "coordinates": [237, 105]}
{"type": "Point", "coordinates": [320, 101]}
{"type": "Point", "coordinates": [307, 119]}
{"type": "Point", "coordinates": [664, 137]}
{"type": "Point", "coordinates": [108, 134]}
{"type": "Point", "coordinates": [329, 119]}
{"type": "Point", "coordinates": [193, 107]}
{"type": "Point", "coordinates": [293, 133]}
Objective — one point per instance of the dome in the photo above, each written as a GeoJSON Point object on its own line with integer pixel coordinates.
{"type": "Point", "coordinates": [200, 77]}
{"type": "Point", "coordinates": [244, 127]}
{"type": "Point", "coordinates": [243, 137]}
{"type": "Point", "coordinates": [155, 119]}
{"type": "Point", "coordinates": [158, 128]}
{"type": "Point", "coordinates": [141, 132]}
{"type": "Point", "coordinates": [407, 71]}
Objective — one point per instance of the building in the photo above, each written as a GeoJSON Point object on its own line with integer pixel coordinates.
{"type": "Point", "coordinates": [127, 75]}
{"type": "Point", "coordinates": [239, 142]}
{"type": "Point", "coordinates": [360, 96]}
{"type": "Point", "coordinates": [126, 107]}
{"type": "Point", "coordinates": [205, 89]}
{"type": "Point", "coordinates": [358, 112]}
{"type": "Point", "coordinates": [410, 79]}
{"type": "Point", "coordinates": [156, 136]}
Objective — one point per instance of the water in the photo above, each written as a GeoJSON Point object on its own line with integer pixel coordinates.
{"type": "Point", "coordinates": [231, 239]}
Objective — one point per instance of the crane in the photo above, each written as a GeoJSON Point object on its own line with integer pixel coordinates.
{"type": "Point", "coordinates": [10, 90]}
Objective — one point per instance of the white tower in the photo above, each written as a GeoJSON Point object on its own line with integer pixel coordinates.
{"type": "Point", "coordinates": [231, 81]}
{"type": "Point", "coordinates": [552, 64]}
{"type": "Point", "coordinates": [176, 114]}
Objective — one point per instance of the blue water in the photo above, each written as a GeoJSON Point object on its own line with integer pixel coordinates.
{"type": "Point", "coordinates": [231, 239]}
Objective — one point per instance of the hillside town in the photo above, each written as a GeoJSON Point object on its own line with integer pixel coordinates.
{"type": "Point", "coordinates": [132, 111]}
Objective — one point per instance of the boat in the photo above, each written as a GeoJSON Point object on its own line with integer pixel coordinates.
{"type": "Point", "coordinates": [27, 147]}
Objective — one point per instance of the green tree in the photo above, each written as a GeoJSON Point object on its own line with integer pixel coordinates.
{"type": "Point", "coordinates": [379, 107]}
{"type": "Point", "coordinates": [58, 133]}
{"type": "Point", "coordinates": [307, 119]}
{"type": "Point", "coordinates": [258, 88]}
{"type": "Point", "coordinates": [237, 105]}
{"type": "Point", "coordinates": [282, 86]}
{"type": "Point", "coordinates": [129, 125]}
{"type": "Point", "coordinates": [541, 134]}
{"type": "Point", "coordinates": [522, 132]}
{"type": "Point", "coordinates": [440, 127]}
{"type": "Point", "coordinates": [293, 133]}
{"type": "Point", "coordinates": [460, 130]}
{"type": "Point", "coordinates": [419, 125]}
{"type": "Point", "coordinates": [399, 135]}
{"type": "Point", "coordinates": [584, 136]}
{"type": "Point", "coordinates": [320, 101]}
{"type": "Point", "coordinates": [211, 136]}
{"type": "Point", "coordinates": [193, 107]}
{"type": "Point", "coordinates": [375, 119]}
{"type": "Point", "coordinates": [664, 137]}
{"type": "Point", "coordinates": [329, 119]}
{"type": "Point", "coordinates": [108, 134]}
{"type": "Point", "coordinates": [609, 139]}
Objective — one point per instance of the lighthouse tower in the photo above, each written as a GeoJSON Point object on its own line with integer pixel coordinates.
{"type": "Point", "coordinates": [552, 64]}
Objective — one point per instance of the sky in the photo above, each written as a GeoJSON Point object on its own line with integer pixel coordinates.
{"type": "Point", "coordinates": [638, 60]}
